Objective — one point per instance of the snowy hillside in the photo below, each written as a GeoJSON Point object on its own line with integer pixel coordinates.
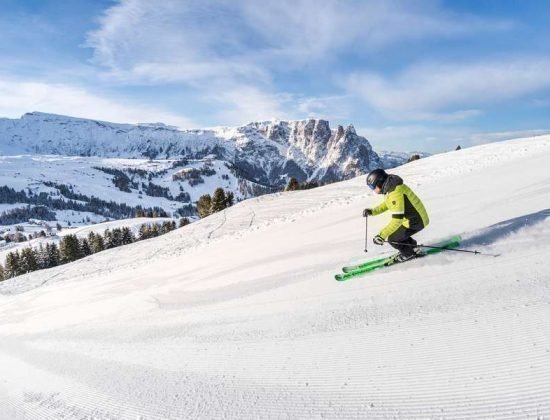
{"type": "Point", "coordinates": [239, 316]}
{"type": "Point", "coordinates": [173, 185]}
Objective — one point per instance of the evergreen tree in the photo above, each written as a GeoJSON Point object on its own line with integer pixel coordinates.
{"type": "Point", "coordinates": [108, 239]}
{"type": "Point", "coordinates": [155, 230]}
{"type": "Point", "coordinates": [42, 257]}
{"type": "Point", "coordinates": [229, 199]}
{"type": "Point", "coordinates": [91, 239]}
{"type": "Point", "coordinates": [173, 225]}
{"type": "Point", "coordinates": [85, 248]}
{"type": "Point", "coordinates": [218, 202]}
{"type": "Point", "coordinates": [116, 237]}
{"type": "Point", "coordinates": [458, 147]}
{"type": "Point", "coordinates": [98, 243]}
{"type": "Point", "coordinates": [69, 249]}
{"type": "Point", "coordinates": [54, 257]}
{"type": "Point", "coordinates": [293, 185]}
{"type": "Point", "coordinates": [204, 205]}
{"type": "Point", "coordinates": [127, 236]}
{"type": "Point", "coordinates": [184, 221]}
{"type": "Point", "coordinates": [12, 268]}
{"type": "Point", "coordinates": [28, 262]}
{"type": "Point", "coordinates": [164, 228]}
{"type": "Point", "coordinates": [144, 232]}
{"type": "Point", "coordinates": [2, 273]}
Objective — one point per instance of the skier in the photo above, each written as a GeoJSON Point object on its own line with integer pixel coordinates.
{"type": "Point", "coordinates": [408, 213]}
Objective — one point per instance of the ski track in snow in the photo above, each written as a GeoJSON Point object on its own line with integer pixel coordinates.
{"type": "Point", "coordinates": [238, 316]}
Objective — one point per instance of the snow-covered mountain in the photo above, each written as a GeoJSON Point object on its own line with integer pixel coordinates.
{"type": "Point", "coordinates": [156, 166]}
{"type": "Point", "coordinates": [239, 316]}
{"type": "Point", "coordinates": [392, 159]}
{"type": "Point", "coordinates": [263, 152]}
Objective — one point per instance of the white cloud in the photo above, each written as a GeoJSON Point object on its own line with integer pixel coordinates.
{"type": "Point", "coordinates": [220, 46]}
{"type": "Point", "coordinates": [444, 90]}
{"type": "Point", "coordinates": [327, 107]}
{"type": "Point", "coordinates": [174, 40]}
{"type": "Point", "coordinates": [195, 40]}
{"type": "Point", "coordinates": [243, 104]}
{"type": "Point", "coordinates": [18, 97]}
{"type": "Point", "coordinates": [316, 30]}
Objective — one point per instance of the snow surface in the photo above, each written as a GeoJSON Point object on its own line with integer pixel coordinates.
{"type": "Point", "coordinates": [238, 315]}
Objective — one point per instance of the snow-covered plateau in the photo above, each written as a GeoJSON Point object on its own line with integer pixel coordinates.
{"type": "Point", "coordinates": [238, 315]}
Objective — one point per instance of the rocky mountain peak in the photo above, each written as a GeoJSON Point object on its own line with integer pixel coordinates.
{"type": "Point", "coordinates": [266, 152]}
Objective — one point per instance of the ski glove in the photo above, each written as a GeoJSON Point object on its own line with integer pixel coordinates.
{"type": "Point", "coordinates": [367, 212]}
{"type": "Point", "coordinates": [378, 240]}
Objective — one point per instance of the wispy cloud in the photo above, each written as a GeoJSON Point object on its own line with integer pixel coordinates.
{"type": "Point", "coordinates": [443, 90]}
{"type": "Point", "coordinates": [241, 104]}
{"type": "Point", "coordinates": [218, 46]}
{"type": "Point", "coordinates": [18, 97]}
{"type": "Point", "coordinates": [189, 40]}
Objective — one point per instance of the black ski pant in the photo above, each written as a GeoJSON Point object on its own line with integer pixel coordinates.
{"type": "Point", "coordinates": [402, 240]}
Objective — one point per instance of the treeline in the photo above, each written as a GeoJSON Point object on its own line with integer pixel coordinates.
{"type": "Point", "coordinates": [154, 190]}
{"type": "Point", "coordinates": [220, 200]}
{"type": "Point", "coordinates": [120, 179]}
{"type": "Point", "coordinates": [72, 248]}
{"type": "Point", "coordinates": [194, 176]}
{"type": "Point", "coordinates": [13, 216]}
{"type": "Point", "coordinates": [294, 185]}
{"type": "Point", "coordinates": [123, 182]}
{"type": "Point", "coordinates": [74, 201]}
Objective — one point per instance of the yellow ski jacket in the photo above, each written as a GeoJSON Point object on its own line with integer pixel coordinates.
{"type": "Point", "coordinates": [406, 208]}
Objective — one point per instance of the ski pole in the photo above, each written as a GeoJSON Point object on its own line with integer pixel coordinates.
{"type": "Point", "coordinates": [445, 248]}
{"type": "Point", "coordinates": [366, 231]}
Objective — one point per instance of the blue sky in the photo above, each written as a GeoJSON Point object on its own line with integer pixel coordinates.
{"type": "Point", "coordinates": [409, 75]}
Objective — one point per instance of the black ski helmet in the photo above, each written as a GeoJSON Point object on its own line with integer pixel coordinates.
{"type": "Point", "coordinates": [376, 178]}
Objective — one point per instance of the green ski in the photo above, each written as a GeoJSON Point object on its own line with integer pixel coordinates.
{"type": "Point", "coordinates": [367, 267]}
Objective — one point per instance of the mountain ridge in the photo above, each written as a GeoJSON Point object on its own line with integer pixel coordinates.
{"type": "Point", "coordinates": [269, 152]}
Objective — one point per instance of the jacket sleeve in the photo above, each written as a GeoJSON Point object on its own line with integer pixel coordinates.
{"type": "Point", "coordinates": [395, 203]}
{"type": "Point", "coordinates": [381, 208]}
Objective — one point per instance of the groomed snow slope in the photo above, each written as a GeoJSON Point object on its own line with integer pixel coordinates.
{"type": "Point", "coordinates": [238, 315]}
